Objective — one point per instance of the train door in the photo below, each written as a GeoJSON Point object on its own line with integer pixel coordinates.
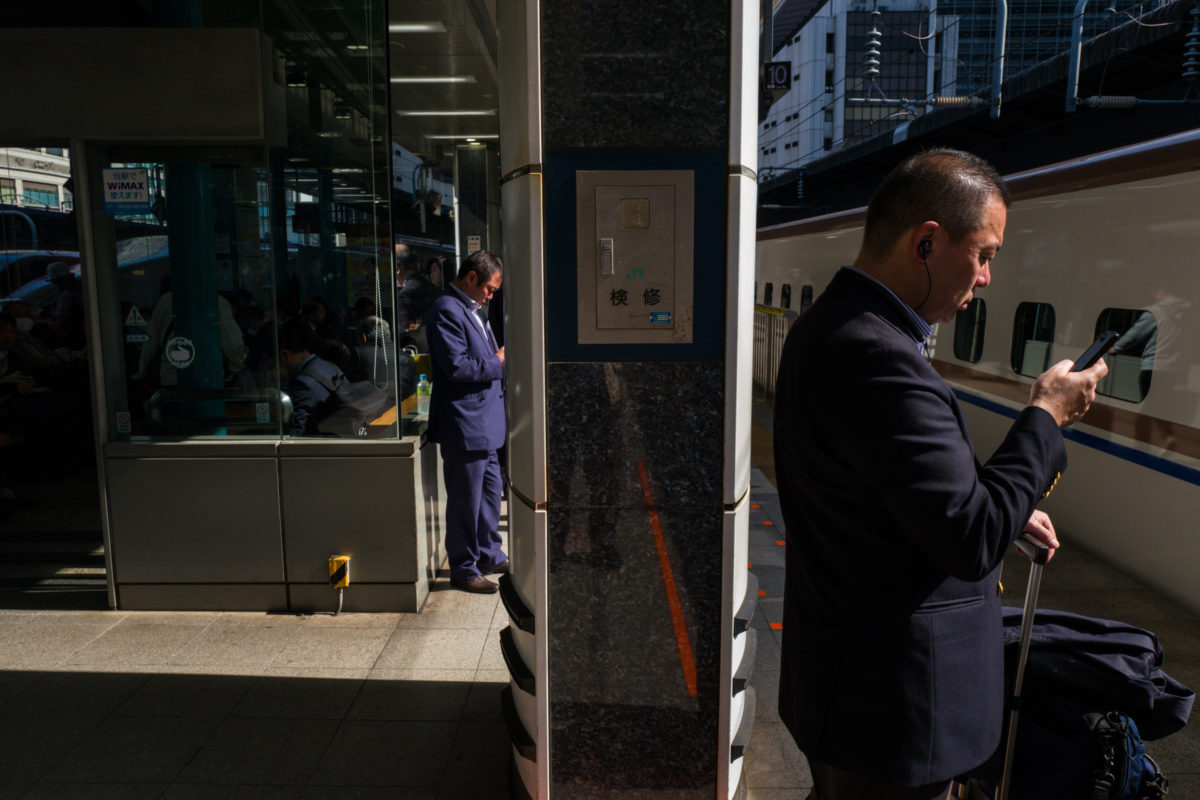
{"type": "Point", "coordinates": [50, 515]}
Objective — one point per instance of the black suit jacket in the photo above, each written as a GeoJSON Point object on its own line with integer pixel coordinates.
{"type": "Point", "coordinates": [892, 663]}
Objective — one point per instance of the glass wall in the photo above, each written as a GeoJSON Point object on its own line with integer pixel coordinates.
{"type": "Point", "coordinates": [335, 238]}
{"type": "Point", "coordinates": [256, 284]}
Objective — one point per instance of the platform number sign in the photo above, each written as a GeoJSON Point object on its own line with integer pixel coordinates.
{"type": "Point", "coordinates": [777, 76]}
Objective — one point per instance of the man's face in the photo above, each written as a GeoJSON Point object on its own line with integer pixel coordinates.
{"type": "Point", "coordinates": [957, 268]}
{"type": "Point", "coordinates": [478, 291]}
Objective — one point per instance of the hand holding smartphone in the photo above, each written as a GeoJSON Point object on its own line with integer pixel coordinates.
{"type": "Point", "coordinates": [1095, 351]}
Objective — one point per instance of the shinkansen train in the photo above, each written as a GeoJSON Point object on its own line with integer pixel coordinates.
{"type": "Point", "coordinates": [1106, 242]}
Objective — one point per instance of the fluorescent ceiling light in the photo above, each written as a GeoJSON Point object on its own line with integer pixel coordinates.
{"type": "Point", "coordinates": [417, 27]}
{"type": "Point", "coordinates": [432, 79]}
{"type": "Point", "coordinates": [483, 112]}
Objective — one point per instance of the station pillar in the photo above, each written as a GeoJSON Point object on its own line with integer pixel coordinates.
{"type": "Point", "coordinates": [628, 194]}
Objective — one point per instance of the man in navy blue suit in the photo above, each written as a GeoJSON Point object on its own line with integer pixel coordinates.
{"type": "Point", "coordinates": [892, 674]}
{"type": "Point", "coordinates": [466, 417]}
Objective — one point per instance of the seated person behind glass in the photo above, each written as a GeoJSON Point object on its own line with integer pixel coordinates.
{"type": "Point", "coordinates": [308, 396]}
{"type": "Point", "coordinates": [374, 358]}
{"type": "Point", "coordinates": [324, 342]}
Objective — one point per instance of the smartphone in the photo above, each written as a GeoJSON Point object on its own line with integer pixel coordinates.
{"type": "Point", "coordinates": [1097, 349]}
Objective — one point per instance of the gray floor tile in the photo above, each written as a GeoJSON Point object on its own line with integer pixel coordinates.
{"type": "Point", "coordinates": [483, 703]}
{"type": "Point", "coordinates": [450, 608]}
{"type": "Point", "coordinates": [333, 647]}
{"type": "Point", "coordinates": [186, 696]}
{"type": "Point", "coordinates": [766, 691]}
{"type": "Point", "coordinates": [772, 759]}
{"type": "Point", "coordinates": [233, 645]}
{"type": "Point", "coordinates": [386, 753]}
{"type": "Point", "coordinates": [135, 643]}
{"type": "Point", "coordinates": [260, 751]}
{"type": "Point", "coordinates": [419, 648]}
{"type": "Point", "coordinates": [134, 750]}
{"type": "Point", "coordinates": [492, 657]}
{"type": "Point", "coordinates": [29, 750]}
{"type": "Point", "coordinates": [478, 764]}
{"type": "Point", "coordinates": [41, 644]}
{"type": "Point", "coordinates": [71, 693]}
{"type": "Point", "coordinates": [427, 695]}
{"type": "Point", "coordinates": [290, 697]}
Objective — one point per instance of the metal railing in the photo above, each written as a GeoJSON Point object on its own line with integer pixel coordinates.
{"type": "Point", "coordinates": [771, 326]}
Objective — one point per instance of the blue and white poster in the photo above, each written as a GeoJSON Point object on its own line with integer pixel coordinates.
{"type": "Point", "coordinates": [126, 190]}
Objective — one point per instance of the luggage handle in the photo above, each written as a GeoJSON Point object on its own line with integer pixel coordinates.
{"type": "Point", "coordinates": [1037, 552]}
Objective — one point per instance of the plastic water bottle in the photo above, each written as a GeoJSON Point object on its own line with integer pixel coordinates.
{"type": "Point", "coordinates": [423, 390]}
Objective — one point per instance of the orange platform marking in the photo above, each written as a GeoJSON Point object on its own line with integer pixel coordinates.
{"type": "Point", "coordinates": [762, 592]}
{"type": "Point", "coordinates": [780, 542]}
{"type": "Point", "coordinates": [755, 505]}
{"type": "Point", "coordinates": [687, 659]}
{"type": "Point", "coordinates": [767, 522]}
{"type": "Point", "coordinates": [776, 626]}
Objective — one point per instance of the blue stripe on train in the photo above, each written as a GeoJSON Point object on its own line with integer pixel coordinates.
{"type": "Point", "coordinates": [1132, 455]}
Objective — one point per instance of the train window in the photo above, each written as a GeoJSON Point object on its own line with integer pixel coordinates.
{"type": "Point", "coordinates": [969, 325]}
{"type": "Point", "coordinates": [1131, 358]}
{"type": "Point", "coordinates": [1033, 336]}
{"type": "Point", "coordinates": [806, 293]}
{"type": "Point", "coordinates": [768, 294]}
{"type": "Point", "coordinates": [785, 296]}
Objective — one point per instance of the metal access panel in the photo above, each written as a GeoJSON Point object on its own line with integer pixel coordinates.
{"type": "Point", "coordinates": [635, 233]}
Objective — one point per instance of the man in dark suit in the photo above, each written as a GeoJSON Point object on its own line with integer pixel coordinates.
{"type": "Point", "coordinates": [305, 371]}
{"type": "Point", "coordinates": [466, 417]}
{"type": "Point", "coordinates": [892, 672]}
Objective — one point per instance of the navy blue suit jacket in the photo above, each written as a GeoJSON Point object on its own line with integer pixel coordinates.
{"type": "Point", "coordinates": [892, 651]}
{"type": "Point", "coordinates": [466, 411]}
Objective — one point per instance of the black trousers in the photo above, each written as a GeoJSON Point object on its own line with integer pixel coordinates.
{"type": "Point", "coordinates": [833, 783]}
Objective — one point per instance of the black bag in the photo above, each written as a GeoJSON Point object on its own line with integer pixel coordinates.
{"type": "Point", "coordinates": [351, 405]}
{"type": "Point", "coordinates": [1103, 664]}
{"type": "Point", "coordinates": [1064, 754]}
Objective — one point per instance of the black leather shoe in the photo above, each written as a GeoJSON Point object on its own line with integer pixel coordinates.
{"type": "Point", "coordinates": [501, 568]}
{"type": "Point", "coordinates": [478, 585]}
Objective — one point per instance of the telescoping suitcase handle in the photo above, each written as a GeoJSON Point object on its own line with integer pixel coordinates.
{"type": "Point", "coordinates": [1038, 555]}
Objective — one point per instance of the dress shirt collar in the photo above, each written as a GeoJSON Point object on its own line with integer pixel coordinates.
{"type": "Point", "coordinates": [471, 304]}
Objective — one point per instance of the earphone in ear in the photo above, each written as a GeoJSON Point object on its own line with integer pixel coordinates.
{"type": "Point", "coordinates": [924, 247]}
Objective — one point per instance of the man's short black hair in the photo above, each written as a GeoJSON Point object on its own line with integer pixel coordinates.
{"type": "Point", "coordinates": [483, 263]}
{"type": "Point", "coordinates": [949, 187]}
{"type": "Point", "coordinates": [295, 336]}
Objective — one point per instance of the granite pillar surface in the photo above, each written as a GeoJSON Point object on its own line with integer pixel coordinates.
{"type": "Point", "coordinates": [635, 434]}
